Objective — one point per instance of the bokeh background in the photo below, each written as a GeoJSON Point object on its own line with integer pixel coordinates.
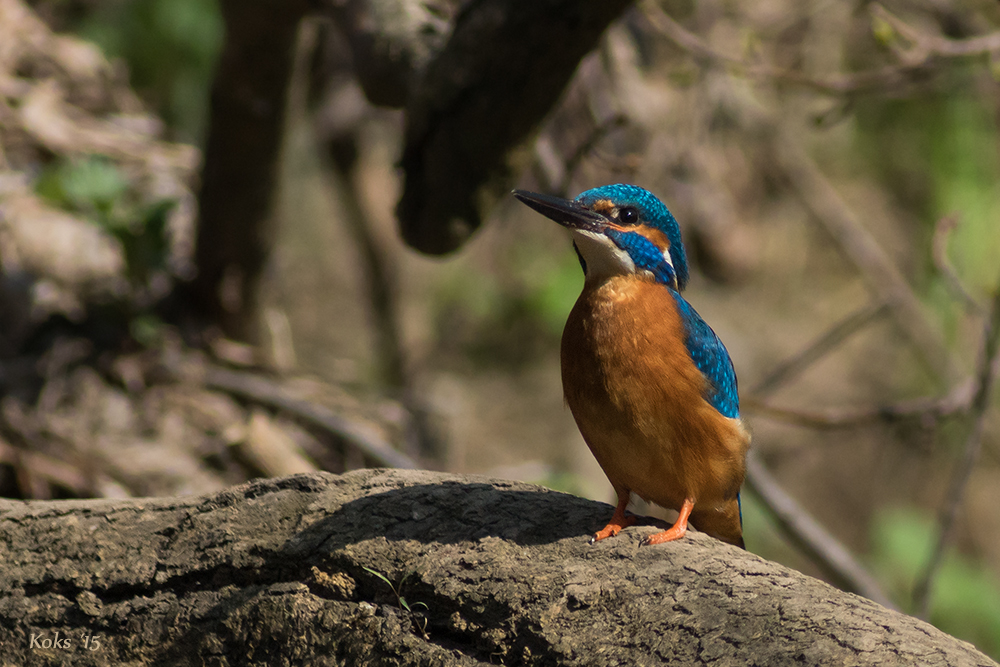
{"type": "Point", "coordinates": [834, 168]}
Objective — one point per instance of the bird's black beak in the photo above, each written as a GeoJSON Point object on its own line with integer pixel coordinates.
{"type": "Point", "coordinates": [567, 212]}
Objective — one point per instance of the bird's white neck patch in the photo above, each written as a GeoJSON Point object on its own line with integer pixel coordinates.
{"type": "Point", "coordinates": [602, 257]}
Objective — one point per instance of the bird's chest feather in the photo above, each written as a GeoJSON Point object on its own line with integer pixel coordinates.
{"type": "Point", "coordinates": [636, 394]}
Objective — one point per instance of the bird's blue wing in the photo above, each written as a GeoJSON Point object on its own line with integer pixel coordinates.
{"type": "Point", "coordinates": [711, 358]}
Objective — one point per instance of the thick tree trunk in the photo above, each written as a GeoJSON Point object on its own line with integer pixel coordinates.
{"type": "Point", "coordinates": [476, 571]}
{"type": "Point", "coordinates": [475, 80]}
{"type": "Point", "coordinates": [246, 121]}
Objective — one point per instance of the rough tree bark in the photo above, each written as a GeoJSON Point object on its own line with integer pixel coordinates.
{"type": "Point", "coordinates": [290, 571]}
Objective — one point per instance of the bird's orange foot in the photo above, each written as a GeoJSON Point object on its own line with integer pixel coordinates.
{"type": "Point", "coordinates": [613, 528]}
{"type": "Point", "coordinates": [676, 531]}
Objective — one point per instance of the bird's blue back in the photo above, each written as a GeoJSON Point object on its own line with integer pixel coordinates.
{"type": "Point", "coordinates": [711, 358]}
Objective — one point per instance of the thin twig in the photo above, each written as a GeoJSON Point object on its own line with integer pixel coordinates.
{"type": "Point", "coordinates": [936, 407]}
{"type": "Point", "coordinates": [879, 79]}
{"type": "Point", "coordinates": [986, 374]}
{"type": "Point", "coordinates": [917, 61]}
{"type": "Point", "coordinates": [810, 537]}
{"type": "Point", "coordinates": [260, 390]}
{"type": "Point", "coordinates": [939, 253]}
{"type": "Point", "coordinates": [819, 195]}
{"type": "Point", "coordinates": [823, 345]}
{"type": "Point", "coordinates": [881, 276]}
{"type": "Point", "coordinates": [926, 46]}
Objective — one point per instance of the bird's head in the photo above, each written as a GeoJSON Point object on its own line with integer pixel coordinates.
{"type": "Point", "coordinates": [619, 229]}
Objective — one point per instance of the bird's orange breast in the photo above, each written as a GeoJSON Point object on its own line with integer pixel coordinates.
{"type": "Point", "coordinates": [638, 397]}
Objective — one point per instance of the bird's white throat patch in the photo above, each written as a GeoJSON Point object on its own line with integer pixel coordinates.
{"type": "Point", "coordinates": [602, 257]}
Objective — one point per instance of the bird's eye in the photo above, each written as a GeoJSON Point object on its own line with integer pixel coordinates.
{"type": "Point", "coordinates": [628, 215]}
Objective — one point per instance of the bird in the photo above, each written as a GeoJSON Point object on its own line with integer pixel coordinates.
{"type": "Point", "coordinates": [650, 385]}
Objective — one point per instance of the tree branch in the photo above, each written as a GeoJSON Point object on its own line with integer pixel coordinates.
{"type": "Point", "coordinates": [985, 376]}
{"type": "Point", "coordinates": [955, 401]}
{"type": "Point", "coordinates": [917, 61]}
{"type": "Point", "coordinates": [264, 392]}
{"type": "Point", "coordinates": [822, 346]}
{"type": "Point", "coordinates": [246, 123]}
{"type": "Point", "coordinates": [881, 276]}
{"type": "Point", "coordinates": [939, 253]}
{"type": "Point", "coordinates": [503, 67]}
{"type": "Point", "coordinates": [924, 47]}
{"type": "Point", "coordinates": [810, 537]}
{"type": "Point", "coordinates": [412, 568]}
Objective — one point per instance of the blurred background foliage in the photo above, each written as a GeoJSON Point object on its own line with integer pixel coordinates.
{"type": "Point", "coordinates": [170, 47]}
{"type": "Point", "coordinates": [967, 596]}
{"type": "Point", "coordinates": [481, 329]}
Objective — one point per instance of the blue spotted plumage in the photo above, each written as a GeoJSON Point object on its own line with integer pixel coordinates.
{"type": "Point", "coordinates": [712, 359]}
{"type": "Point", "coordinates": [650, 384]}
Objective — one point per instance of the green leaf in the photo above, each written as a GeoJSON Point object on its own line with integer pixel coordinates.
{"type": "Point", "coordinates": [90, 185]}
{"type": "Point", "coordinates": [883, 31]}
{"type": "Point", "coordinates": [380, 576]}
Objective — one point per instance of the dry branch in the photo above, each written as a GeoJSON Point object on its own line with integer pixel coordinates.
{"type": "Point", "coordinates": [837, 334]}
{"type": "Point", "coordinates": [315, 569]}
{"type": "Point", "coordinates": [264, 392]}
{"type": "Point", "coordinates": [918, 57]}
{"type": "Point", "coordinates": [923, 46]}
{"type": "Point", "coordinates": [926, 407]}
{"type": "Point", "coordinates": [939, 253]}
{"type": "Point", "coordinates": [877, 80]}
{"type": "Point", "coordinates": [985, 377]}
{"type": "Point", "coordinates": [820, 196]}
{"type": "Point", "coordinates": [501, 70]}
{"type": "Point", "coordinates": [810, 537]}
{"type": "Point", "coordinates": [881, 276]}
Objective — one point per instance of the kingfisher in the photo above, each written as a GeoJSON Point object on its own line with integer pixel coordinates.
{"type": "Point", "coordinates": [650, 385]}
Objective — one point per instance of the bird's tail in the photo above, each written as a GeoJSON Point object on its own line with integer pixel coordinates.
{"type": "Point", "coordinates": [722, 522]}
